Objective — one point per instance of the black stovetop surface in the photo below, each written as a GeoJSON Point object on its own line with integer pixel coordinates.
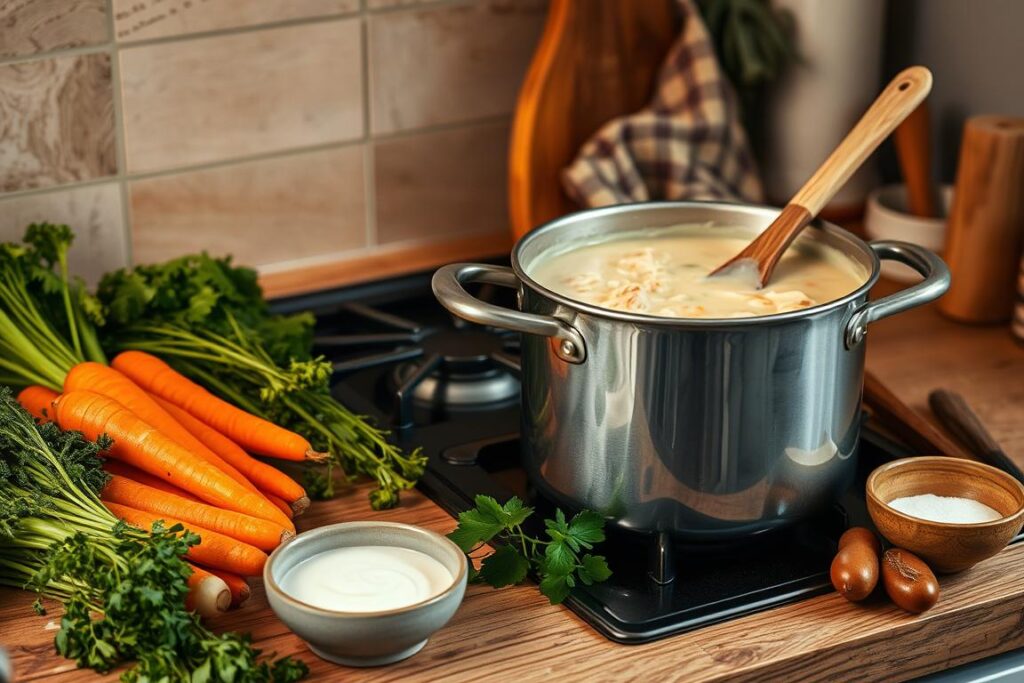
{"type": "Point", "coordinates": [377, 334]}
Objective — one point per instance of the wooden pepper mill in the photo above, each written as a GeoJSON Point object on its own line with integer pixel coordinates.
{"type": "Point", "coordinates": [986, 224]}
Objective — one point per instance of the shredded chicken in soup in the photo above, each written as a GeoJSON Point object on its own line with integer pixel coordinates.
{"type": "Point", "coordinates": [666, 274]}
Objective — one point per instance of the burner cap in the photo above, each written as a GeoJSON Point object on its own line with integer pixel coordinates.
{"type": "Point", "coordinates": [466, 374]}
{"type": "Point", "coordinates": [461, 390]}
{"type": "Point", "coordinates": [464, 350]}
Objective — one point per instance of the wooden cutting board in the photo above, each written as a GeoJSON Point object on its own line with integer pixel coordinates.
{"type": "Point", "coordinates": [597, 59]}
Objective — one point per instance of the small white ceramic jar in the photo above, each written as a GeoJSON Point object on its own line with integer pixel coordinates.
{"type": "Point", "coordinates": [887, 217]}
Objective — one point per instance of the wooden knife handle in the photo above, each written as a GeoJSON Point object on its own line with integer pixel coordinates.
{"type": "Point", "coordinates": [954, 413]}
{"type": "Point", "coordinates": [896, 416]}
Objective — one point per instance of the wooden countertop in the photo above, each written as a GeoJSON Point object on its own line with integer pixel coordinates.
{"type": "Point", "coordinates": [513, 632]}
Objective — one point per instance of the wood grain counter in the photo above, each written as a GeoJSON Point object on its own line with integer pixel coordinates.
{"type": "Point", "coordinates": [514, 634]}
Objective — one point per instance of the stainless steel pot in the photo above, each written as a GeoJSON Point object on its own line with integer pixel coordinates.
{"type": "Point", "coordinates": [707, 429]}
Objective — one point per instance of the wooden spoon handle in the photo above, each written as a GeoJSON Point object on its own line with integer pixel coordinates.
{"type": "Point", "coordinates": [899, 99]}
{"type": "Point", "coordinates": [894, 104]}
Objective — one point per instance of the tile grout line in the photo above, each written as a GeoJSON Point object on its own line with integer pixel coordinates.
{"type": "Point", "coordinates": [79, 51]}
{"type": "Point", "coordinates": [119, 138]}
{"type": "Point", "coordinates": [369, 154]}
{"type": "Point", "coordinates": [262, 156]}
{"type": "Point", "coordinates": [178, 37]}
{"type": "Point", "coordinates": [362, 10]}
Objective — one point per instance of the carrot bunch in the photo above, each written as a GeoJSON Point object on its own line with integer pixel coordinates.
{"type": "Point", "coordinates": [181, 455]}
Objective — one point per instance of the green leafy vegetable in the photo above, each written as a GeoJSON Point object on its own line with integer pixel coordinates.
{"type": "Point", "coordinates": [558, 562]}
{"type": "Point", "coordinates": [123, 589]}
{"type": "Point", "coordinates": [143, 614]}
{"type": "Point", "coordinates": [209, 320]}
{"type": "Point", "coordinates": [754, 44]}
{"type": "Point", "coordinates": [47, 318]}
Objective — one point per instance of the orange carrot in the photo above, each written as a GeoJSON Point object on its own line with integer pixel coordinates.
{"type": "Point", "coordinates": [260, 533]}
{"type": "Point", "coordinates": [128, 472]}
{"type": "Point", "coordinates": [240, 591]}
{"type": "Point", "coordinates": [215, 550]}
{"type": "Point", "coordinates": [252, 433]}
{"type": "Point", "coordinates": [281, 505]}
{"type": "Point", "coordinates": [38, 401]}
{"type": "Point", "coordinates": [106, 381]}
{"type": "Point", "coordinates": [141, 445]}
{"type": "Point", "coordinates": [208, 594]}
{"type": "Point", "coordinates": [269, 480]}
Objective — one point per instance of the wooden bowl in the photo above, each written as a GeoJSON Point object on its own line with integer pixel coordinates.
{"type": "Point", "coordinates": [946, 547]}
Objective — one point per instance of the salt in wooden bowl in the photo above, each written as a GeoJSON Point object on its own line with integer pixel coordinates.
{"type": "Point", "coordinates": [946, 547]}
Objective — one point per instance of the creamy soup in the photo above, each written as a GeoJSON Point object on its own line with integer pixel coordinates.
{"type": "Point", "coordinates": [666, 274]}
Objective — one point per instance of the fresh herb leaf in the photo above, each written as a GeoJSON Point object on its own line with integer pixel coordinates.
{"type": "Point", "coordinates": [556, 562]}
{"type": "Point", "coordinates": [594, 569]}
{"type": "Point", "coordinates": [587, 528]}
{"type": "Point", "coordinates": [516, 512]}
{"type": "Point", "coordinates": [559, 558]}
{"type": "Point", "coordinates": [555, 587]}
{"type": "Point", "coordinates": [485, 521]}
{"type": "Point", "coordinates": [506, 566]}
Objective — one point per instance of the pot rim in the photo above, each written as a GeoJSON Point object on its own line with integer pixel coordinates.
{"type": "Point", "coordinates": [656, 320]}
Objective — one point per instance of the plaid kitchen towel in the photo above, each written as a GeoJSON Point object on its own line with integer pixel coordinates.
{"type": "Point", "coordinates": [687, 144]}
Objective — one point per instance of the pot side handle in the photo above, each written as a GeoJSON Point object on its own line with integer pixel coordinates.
{"type": "Point", "coordinates": [448, 282]}
{"type": "Point", "coordinates": [934, 285]}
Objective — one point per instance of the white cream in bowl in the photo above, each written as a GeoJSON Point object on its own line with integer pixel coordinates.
{"type": "Point", "coordinates": [366, 579]}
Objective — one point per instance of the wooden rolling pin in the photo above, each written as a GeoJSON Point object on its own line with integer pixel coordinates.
{"type": "Point", "coordinates": [986, 223]}
{"type": "Point", "coordinates": [914, 430]}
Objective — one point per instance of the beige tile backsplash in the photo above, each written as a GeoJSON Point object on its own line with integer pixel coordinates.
{"type": "Point", "coordinates": [262, 212]}
{"type": "Point", "coordinates": [280, 131]}
{"type": "Point", "coordinates": [31, 26]}
{"type": "Point", "coordinates": [94, 211]}
{"type": "Point", "coordinates": [142, 19]}
{"type": "Point", "coordinates": [422, 180]}
{"type": "Point", "coordinates": [467, 58]}
{"type": "Point", "coordinates": [56, 121]}
{"type": "Point", "coordinates": [222, 97]}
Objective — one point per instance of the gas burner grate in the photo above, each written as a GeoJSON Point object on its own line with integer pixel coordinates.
{"type": "Point", "coordinates": [449, 365]}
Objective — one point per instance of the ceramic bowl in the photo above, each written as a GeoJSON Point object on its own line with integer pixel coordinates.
{"type": "Point", "coordinates": [888, 218]}
{"type": "Point", "coordinates": [366, 638]}
{"type": "Point", "coordinates": [946, 547]}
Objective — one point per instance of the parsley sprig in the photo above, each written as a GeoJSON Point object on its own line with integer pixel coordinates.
{"type": "Point", "coordinates": [559, 562]}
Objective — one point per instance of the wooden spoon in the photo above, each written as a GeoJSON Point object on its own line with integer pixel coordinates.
{"type": "Point", "coordinates": [894, 104]}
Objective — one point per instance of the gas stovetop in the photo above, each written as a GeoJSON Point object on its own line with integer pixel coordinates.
{"type": "Point", "coordinates": [452, 388]}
